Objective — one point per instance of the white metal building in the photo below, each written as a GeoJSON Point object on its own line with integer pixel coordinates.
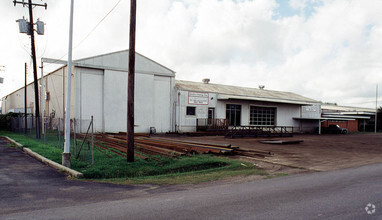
{"type": "Point", "coordinates": [239, 105]}
{"type": "Point", "coordinates": [99, 89]}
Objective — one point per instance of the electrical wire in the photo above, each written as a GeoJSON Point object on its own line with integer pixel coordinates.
{"type": "Point", "coordinates": [95, 27]}
{"type": "Point", "coordinates": [91, 31]}
{"type": "Point", "coordinates": [22, 45]}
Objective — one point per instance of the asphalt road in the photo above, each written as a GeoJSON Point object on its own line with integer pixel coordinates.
{"type": "Point", "coordinates": [340, 194]}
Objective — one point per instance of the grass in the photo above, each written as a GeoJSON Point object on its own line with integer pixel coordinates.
{"type": "Point", "coordinates": [195, 169]}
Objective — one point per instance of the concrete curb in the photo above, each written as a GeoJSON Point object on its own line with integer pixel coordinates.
{"type": "Point", "coordinates": [48, 162]}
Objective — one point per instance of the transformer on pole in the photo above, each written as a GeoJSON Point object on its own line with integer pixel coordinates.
{"type": "Point", "coordinates": [28, 28]}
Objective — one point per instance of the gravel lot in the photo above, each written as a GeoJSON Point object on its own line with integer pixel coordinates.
{"type": "Point", "coordinates": [316, 153]}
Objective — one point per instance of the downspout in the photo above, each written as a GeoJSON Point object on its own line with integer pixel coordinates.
{"type": "Point", "coordinates": [179, 108]}
{"type": "Point", "coordinates": [174, 117]}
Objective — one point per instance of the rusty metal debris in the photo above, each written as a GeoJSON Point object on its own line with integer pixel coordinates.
{"type": "Point", "coordinates": [281, 141]}
{"type": "Point", "coordinates": [165, 147]}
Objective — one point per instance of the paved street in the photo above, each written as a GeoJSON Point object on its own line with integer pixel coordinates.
{"type": "Point", "coordinates": [26, 184]}
{"type": "Point", "coordinates": [30, 190]}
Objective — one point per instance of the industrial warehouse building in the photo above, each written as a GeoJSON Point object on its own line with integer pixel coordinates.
{"type": "Point", "coordinates": [239, 106]}
{"type": "Point", "coordinates": [99, 89]}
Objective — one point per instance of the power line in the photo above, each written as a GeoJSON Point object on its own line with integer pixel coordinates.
{"type": "Point", "coordinates": [95, 27]}
{"type": "Point", "coordinates": [91, 31]}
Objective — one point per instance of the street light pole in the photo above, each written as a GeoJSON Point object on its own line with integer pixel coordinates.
{"type": "Point", "coordinates": [376, 108]}
{"type": "Point", "coordinates": [66, 154]}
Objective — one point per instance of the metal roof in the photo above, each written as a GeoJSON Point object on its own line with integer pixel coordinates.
{"type": "Point", "coordinates": [326, 118]}
{"type": "Point", "coordinates": [345, 116]}
{"type": "Point", "coordinates": [338, 108]}
{"type": "Point", "coordinates": [244, 93]}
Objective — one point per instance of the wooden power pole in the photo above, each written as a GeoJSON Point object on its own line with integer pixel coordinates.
{"type": "Point", "coordinates": [25, 101]}
{"type": "Point", "coordinates": [130, 84]}
{"type": "Point", "coordinates": [33, 48]}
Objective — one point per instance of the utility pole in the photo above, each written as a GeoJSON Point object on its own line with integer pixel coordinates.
{"type": "Point", "coordinates": [31, 28]}
{"type": "Point", "coordinates": [376, 108]}
{"type": "Point", "coordinates": [130, 84]}
{"type": "Point", "coordinates": [66, 156]}
{"type": "Point", "coordinates": [42, 98]}
{"type": "Point", "coordinates": [25, 101]}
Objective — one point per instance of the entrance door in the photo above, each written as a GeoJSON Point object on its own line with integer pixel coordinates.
{"type": "Point", "coordinates": [211, 116]}
{"type": "Point", "coordinates": [233, 114]}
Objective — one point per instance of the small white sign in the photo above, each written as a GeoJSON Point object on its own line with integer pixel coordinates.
{"type": "Point", "coordinates": [310, 108]}
{"type": "Point", "coordinates": [201, 112]}
{"type": "Point", "coordinates": [198, 98]}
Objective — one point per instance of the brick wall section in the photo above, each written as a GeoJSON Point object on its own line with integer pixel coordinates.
{"type": "Point", "coordinates": [352, 125]}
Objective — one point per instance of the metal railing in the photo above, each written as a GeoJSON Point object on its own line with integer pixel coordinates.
{"type": "Point", "coordinates": [205, 124]}
{"type": "Point", "coordinates": [259, 131]}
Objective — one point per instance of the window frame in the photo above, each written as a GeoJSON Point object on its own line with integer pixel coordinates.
{"type": "Point", "coordinates": [265, 115]}
{"type": "Point", "coordinates": [190, 107]}
{"type": "Point", "coordinates": [236, 119]}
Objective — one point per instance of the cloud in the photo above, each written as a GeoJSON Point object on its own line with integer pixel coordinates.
{"type": "Point", "coordinates": [330, 51]}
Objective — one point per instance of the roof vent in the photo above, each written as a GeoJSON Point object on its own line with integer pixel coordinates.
{"type": "Point", "coordinates": [261, 87]}
{"type": "Point", "coordinates": [206, 80]}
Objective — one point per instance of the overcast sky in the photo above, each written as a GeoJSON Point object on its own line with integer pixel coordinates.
{"type": "Point", "coordinates": [330, 51]}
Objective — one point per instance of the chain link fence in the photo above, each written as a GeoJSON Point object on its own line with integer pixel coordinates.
{"type": "Point", "coordinates": [52, 132]}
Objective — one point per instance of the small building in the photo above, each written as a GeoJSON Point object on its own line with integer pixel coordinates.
{"type": "Point", "coordinates": [203, 103]}
{"type": "Point", "coordinates": [353, 118]}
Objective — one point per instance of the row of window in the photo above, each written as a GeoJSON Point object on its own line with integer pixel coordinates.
{"type": "Point", "coordinates": [257, 115]}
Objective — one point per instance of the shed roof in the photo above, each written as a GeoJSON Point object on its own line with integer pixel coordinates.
{"type": "Point", "coordinates": [245, 93]}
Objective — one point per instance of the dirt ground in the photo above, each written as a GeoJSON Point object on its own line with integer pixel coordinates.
{"type": "Point", "coordinates": [315, 153]}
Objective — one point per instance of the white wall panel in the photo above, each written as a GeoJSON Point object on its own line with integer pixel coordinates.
{"type": "Point", "coordinates": [162, 103]}
{"type": "Point", "coordinates": [92, 98]}
{"type": "Point", "coordinates": [115, 103]}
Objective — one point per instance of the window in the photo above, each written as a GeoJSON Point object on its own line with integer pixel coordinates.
{"type": "Point", "coordinates": [233, 114]}
{"type": "Point", "coordinates": [262, 115]}
{"type": "Point", "coordinates": [190, 110]}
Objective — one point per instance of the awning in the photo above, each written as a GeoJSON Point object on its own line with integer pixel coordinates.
{"type": "Point", "coordinates": [325, 118]}
{"type": "Point", "coordinates": [252, 98]}
{"type": "Point", "coordinates": [345, 116]}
